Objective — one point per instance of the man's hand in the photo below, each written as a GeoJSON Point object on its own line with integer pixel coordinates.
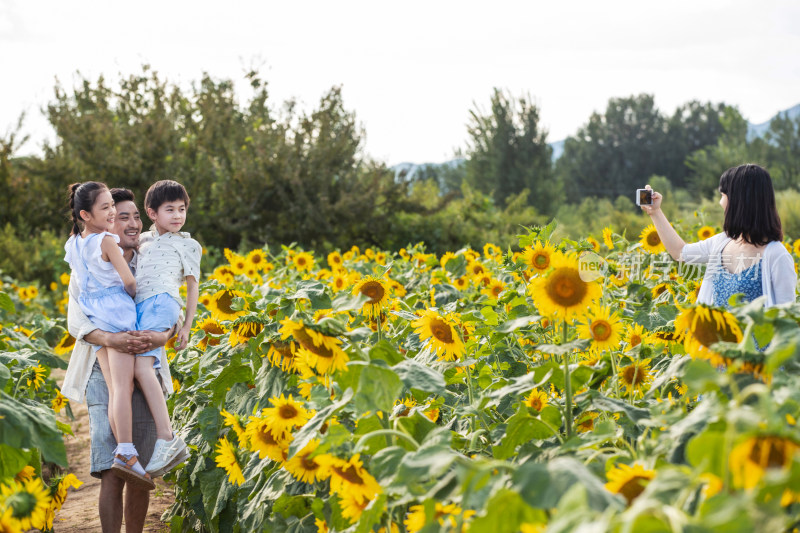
{"type": "Point", "coordinates": [183, 338]}
{"type": "Point", "coordinates": [146, 340]}
{"type": "Point", "coordinates": [121, 341]}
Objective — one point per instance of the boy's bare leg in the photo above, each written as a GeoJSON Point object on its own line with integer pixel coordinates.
{"type": "Point", "coordinates": [151, 388]}
{"type": "Point", "coordinates": [102, 360]}
{"type": "Point", "coordinates": [121, 365]}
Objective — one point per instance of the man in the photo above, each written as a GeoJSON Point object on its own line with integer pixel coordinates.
{"type": "Point", "coordinates": [84, 381]}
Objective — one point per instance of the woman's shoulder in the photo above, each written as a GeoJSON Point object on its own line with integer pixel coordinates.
{"type": "Point", "coordinates": [775, 250]}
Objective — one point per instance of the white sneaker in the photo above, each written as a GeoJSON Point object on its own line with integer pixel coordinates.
{"type": "Point", "coordinates": [166, 455]}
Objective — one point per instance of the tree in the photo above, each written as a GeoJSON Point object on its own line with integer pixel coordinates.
{"type": "Point", "coordinates": [508, 153]}
{"type": "Point", "coordinates": [613, 153]}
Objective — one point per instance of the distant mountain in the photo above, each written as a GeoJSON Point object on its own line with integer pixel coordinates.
{"type": "Point", "coordinates": [755, 131]}
{"type": "Point", "coordinates": [408, 171]}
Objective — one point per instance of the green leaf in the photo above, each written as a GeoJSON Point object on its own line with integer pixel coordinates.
{"type": "Point", "coordinates": [415, 375]}
{"type": "Point", "coordinates": [505, 512]}
{"type": "Point", "coordinates": [314, 291]}
{"type": "Point", "coordinates": [521, 428]}
{"type": "Point", "coordinates": [29, 425]}
{"type": "Point", "coordinates": [612, 405]}
{"type": "Point", "coordinates": [227, 377]}
{"type": "Point", "coordinates": [6, 304]}
{"type": "Point", "coordinates": [456, 267]}
{"type": "Point", "coordinates": [521, 322]}
{"type": "Point", "coordinates": [385, 351]}
{"type": "Point", "coordinates": [427, 462]}
{"type": "Point", "coordinates": [561, 349]}
{"type": "Point", "coordinates": [707, 451]}
{"type": "Point", "coordinates": [5, 375]}
{"type": "Point", "coordinates": [311, 429]}
{"type": "Point", "coordinates": [378, 388]}
{"type": "Point", "coordinates": [346, 301]}
{"type": "Point", "coordinates": [372, 514]}
{"type": "Point", "coordinates": [542, 485]}
{"type": "Point", "coordinates": [12, 461]}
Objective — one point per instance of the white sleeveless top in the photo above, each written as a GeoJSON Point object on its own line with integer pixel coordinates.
{"type": "Point", "coordinates": [103, 273]}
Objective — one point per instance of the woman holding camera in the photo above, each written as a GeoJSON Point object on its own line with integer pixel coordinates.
{"type": "Point", "coordinates": [748, 257]}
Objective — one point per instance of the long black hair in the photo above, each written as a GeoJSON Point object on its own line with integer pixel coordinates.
{"type": "Point", "coordinates": [751, 212]}
{"type": "Point", "coordinates": [81, 198]}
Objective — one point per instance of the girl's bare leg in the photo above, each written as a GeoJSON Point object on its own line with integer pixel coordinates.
{"type": "Point", "coordinates": [121, 366]}
{"type": "Point", "coordinates": [148, 382]}
{"type": "Point", "coordinates": [102, 359]}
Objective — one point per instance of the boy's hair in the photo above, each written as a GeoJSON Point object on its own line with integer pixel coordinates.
{"type": "Point", "coordinates": [81, 197]}
{"type": "Point", "coordinates": [165, 191]}
{"type": "Point", "coordinates": [122, 195]}
{"type": "Point", "coordinates": [751, 211]}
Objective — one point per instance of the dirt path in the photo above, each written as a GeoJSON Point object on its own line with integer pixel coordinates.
{"type": "Point", "coordinates": [79, 513]}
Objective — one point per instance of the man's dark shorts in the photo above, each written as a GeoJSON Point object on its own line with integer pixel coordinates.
{"type": "Point", "coordinates": [103, 442]}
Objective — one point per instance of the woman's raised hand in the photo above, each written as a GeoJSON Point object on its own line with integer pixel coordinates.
{"type": "Point", "coordinates": [656, 205]}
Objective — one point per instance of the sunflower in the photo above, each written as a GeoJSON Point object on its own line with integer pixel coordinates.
{"type": "Point", "coordinates": [635, 335]}
{"type": "Point", "coordinates": [630, 481]}
{"type": "Point", "coordinates": [350, 477]}
{"type": "Point", "coordinates": [494, 289]}
{"type": "Point", "coordinates": [335, 260]}
{"type": "Point", "coordinates": [461, 283]}
{"type": "Point", "coordinates": [59, 402]}
{"type": "Point", "coordinates": [221, 305]}
{"type": "Point", "coordinates": [282, 355]}
{"type": "Point", "coordinates": [446, 259]}
{"type": "Point", "coordinates": [595, 244]}
{"type": "Point", "coordinates": [377, 290]}
{"type": "Point", "coordinates": [795, 247]}
{"type": "Point", "coordinates": [321, 352]}
{"type": "Point", "coordinates": [538, 257]}
{"type": "Point", "coordinates": [604, 328]}
{"type": "Point", "coordinates": [562, 292]}
{"type": "Point", "coordinates": [8, 524]}
{"type": "Point", "coordinates": [537, 399]}
{"type": "Point", "coordinates": [475, 269]}
{"type": "Point", "coordinates": [226, 458]}
{"type": "Point", "coordinates": [490, 251]}
{"type": "Point", "coordinates": [238, 264]}
{"type": "Point", "coordinates": [261, 439]}
{"type": "Point", "coordinates": [705, 232]}
{"type": "Point", "coordinates": [701, 326]}
{"type": "Point", "coordinates": [234, 422]}
{"type": "Point", "coordinates": [64, 278]}
{"type": "Point", "coordinates": [37, 376]}
{"type": "Point", "coordinates": [749, 460]}
{"type": "Point", "coordinates": [29, 502]}
{"type": "Point", "coordinates": [66, 344]}
{"type": "Point", "coordinates": [303, 261]}
{"type": "Point", "coordinates": [213, 331]}
{"type": "Point", "coordinates": [449, 513]}
{"type": "Point", "coordinates": [305, 468]}
{"type": "Point", "coordinates": [586, 422]}
{"type": "Point", "coordinates": [67, 482]}
{"type": "Point", "coordinates": [608, 238]}
{"type": "Point", "coordinates": [660, 289]}
{"type": "Point", "coordinates": [257, 258]}
{"type": "Point", "coordinates": [245, 329]}
{"type": "Point", "coordinates": [442, 334]}
{"type": "Point", "coordinates": [650, 240]}
{"type": "Point", "coordinates": [285, 414]}
{"type": "Point", "coordinates": [352, 507]}
{"type": "Point", "coordinates": [26, 474]}
{"type": "Point", "coordinates": [636, 376]}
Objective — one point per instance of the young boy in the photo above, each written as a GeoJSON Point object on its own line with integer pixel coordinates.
{"type": "Point", "coordinates": [167, 258]}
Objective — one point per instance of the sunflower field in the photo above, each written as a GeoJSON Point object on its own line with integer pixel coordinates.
{"type": "Point", "coordinates": [560, 387]}
{"type": "Point", "coordinates": [33, 481]}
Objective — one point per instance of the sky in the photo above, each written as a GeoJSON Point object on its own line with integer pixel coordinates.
{"type": "Point", "coordinates": [413, 70]}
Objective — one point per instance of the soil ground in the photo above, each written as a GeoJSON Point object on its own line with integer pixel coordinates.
{"type": "Point", "coordinates": [79, 513]}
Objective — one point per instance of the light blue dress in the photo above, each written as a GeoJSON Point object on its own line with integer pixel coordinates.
{"type": "Point", "coordinates": [747, 282]}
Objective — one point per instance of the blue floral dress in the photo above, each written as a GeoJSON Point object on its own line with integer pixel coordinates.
{"type": "Point", "coordinates": [747, 282]}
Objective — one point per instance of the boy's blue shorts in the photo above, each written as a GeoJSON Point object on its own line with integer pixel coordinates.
{"type": "Point", "coordinates": [157, 313]}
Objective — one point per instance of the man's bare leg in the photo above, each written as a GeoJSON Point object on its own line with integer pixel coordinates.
{"type": "Point", "coordinates": [110, 503]}
{"type": "Point", "coordinates": [137, 502]}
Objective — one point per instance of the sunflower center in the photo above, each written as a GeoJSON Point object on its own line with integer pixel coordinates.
{"type": "Point", "coordinates": [441, 330]}
{"type": "Point", "coordinates": [350, 474]}
{"type": "Point", "coordinates": [23, 504]}
{"type": "Point", "coordinates": [287, 412]}
{"type": "Point", "coordinates": [308, 464]}
{"type": "Point", "coordinates": [601, 330]}
{"type": "Point", "coordinates": [266, 436]}
{"type": "Point", "coordinates": [541, 261]}
{"type": "Point", "coordinates": [707, 333]}
{"type": "Point", "coordinates": [339, 283]}
{"type": "Point", "coordinates": [225, 302]}
{"type": "Point", "coordinates": [536, 403]}
{"type": "Point", "coordinates": [636, 340]}
{"type": "Point", "coordinates": [256, 259]}
{"type": "Point", "coordinates": [653, 239]}
{"type": "Point", "coordinates": [632, 488]}
{"type": "Point", "coordinates": [769, 453]}
{"type": "Point", "coordinates": [634, 375]}
{"type": "Point", "coordinates": [565, 287]}
{"type": "Point", "coordinates": [496, 290]}
{"type": "Point", "coordinates": [374, 290]}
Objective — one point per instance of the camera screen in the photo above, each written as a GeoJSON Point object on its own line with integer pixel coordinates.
{"type": "Point", "coordinates": [645, 197]}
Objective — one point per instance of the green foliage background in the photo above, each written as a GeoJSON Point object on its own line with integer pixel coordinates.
{"type": "Point", "coordinates": [259, 171]}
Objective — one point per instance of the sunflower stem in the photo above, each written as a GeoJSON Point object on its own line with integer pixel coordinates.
{"type": "Point", "coordinates": [567, 383]}
{"type": "Point", "coordinates": [469, 393]}
{"type": "Point", "coordinates": [616, 374]}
